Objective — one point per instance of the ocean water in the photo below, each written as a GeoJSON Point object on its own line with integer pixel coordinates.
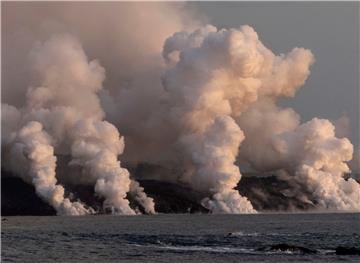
{"type": "Point", "coordinates": [181, 238]}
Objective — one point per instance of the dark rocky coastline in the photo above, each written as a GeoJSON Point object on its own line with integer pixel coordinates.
{"type": "Point", "coordinates": [266, 193]}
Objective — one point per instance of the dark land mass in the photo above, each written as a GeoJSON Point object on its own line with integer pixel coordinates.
{"type": "Point", "coordinates": [19, 198]}
{"type": "Point", "coordinates": [347, 250]}
{"type": "Point", "coordinates": [266, 193]}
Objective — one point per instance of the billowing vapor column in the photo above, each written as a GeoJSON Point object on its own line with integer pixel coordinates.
{"type": "Point", "coordinates": [96, 146]}
{"type": "Point", "coordinates": [34, 144]}
{"type": "Point", "coordinates": [319, 160]}
{"type": "Point", "coordinates": [310, 152]}
{"type": "Point", "coordinates": [67, 106]}
{"type": "Point", "coordinates": [209, 104]}
{"type": "Point", "coordinates": [213, 77]}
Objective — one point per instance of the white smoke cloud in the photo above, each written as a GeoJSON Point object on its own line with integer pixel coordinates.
{"type": "Point", "coordinates": [319, 159]}
{"type": "Point", "coordinates": [66, 103]}
{"type": "Point", "coordinates": [139, 195]}
{"type": "Point", "coordinates": [96, 145]}
{"type": "Point", "coordinates": [209, 104]}
{"type": "Point", "coordinates": [214, 156]}
{"type": "Point", "coordinates": [261, 123]}
{"type": "Point", "coordinates": [131, 54]}
{"type": "Point", "coordinates": [34, 145]}
{"type": "Point", "coordinates": [213, 77]}
{"type": "Point", "coordinates": [310, 152]}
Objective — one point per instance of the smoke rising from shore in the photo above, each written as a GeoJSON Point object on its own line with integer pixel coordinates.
{"type": "Point", "coordinates": [66, 104]}
{"type": "Point", "coordinates": [34, 145]}
{"type": "Point", "coordinates": [197, 98]}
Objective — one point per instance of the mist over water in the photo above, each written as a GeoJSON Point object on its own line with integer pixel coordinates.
{"type": "Point", "coordinates": [184, 94]}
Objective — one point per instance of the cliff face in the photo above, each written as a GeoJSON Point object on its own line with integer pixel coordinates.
{"type": "Point", "coordinates": [268, 193]}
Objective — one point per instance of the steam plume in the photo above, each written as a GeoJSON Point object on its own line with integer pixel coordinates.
{"type": "Point", "coordinates": [208, 106]}
{"type": "Point", "coordinates": [67, 105]}
{"type": "Point", "coordinates": [310, 152]}
{"type": "Point", "coordinates": [33, 144]}
{"type": "Point", "coordinates": [213, 77]}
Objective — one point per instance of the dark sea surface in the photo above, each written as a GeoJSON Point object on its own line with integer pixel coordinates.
{"type": "Point", "coordinates": [181, 238]}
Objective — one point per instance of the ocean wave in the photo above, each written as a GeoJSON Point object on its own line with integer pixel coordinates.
{"type": "Point", "coordinates": [288, 249]}
{"type": "Point", "coordinates": [217, 249]}
{"type": "Point", "coordinates": [241, 234]}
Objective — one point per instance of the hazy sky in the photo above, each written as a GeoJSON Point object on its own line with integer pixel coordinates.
{"type": "Point", "coordinates": [329, 29]}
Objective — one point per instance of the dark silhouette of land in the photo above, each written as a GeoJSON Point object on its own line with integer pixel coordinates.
{"type": "Point", "coordinates": [266, 193]}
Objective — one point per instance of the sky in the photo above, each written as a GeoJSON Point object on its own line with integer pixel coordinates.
{"type": "Point", "coordinates": [329, 29]}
